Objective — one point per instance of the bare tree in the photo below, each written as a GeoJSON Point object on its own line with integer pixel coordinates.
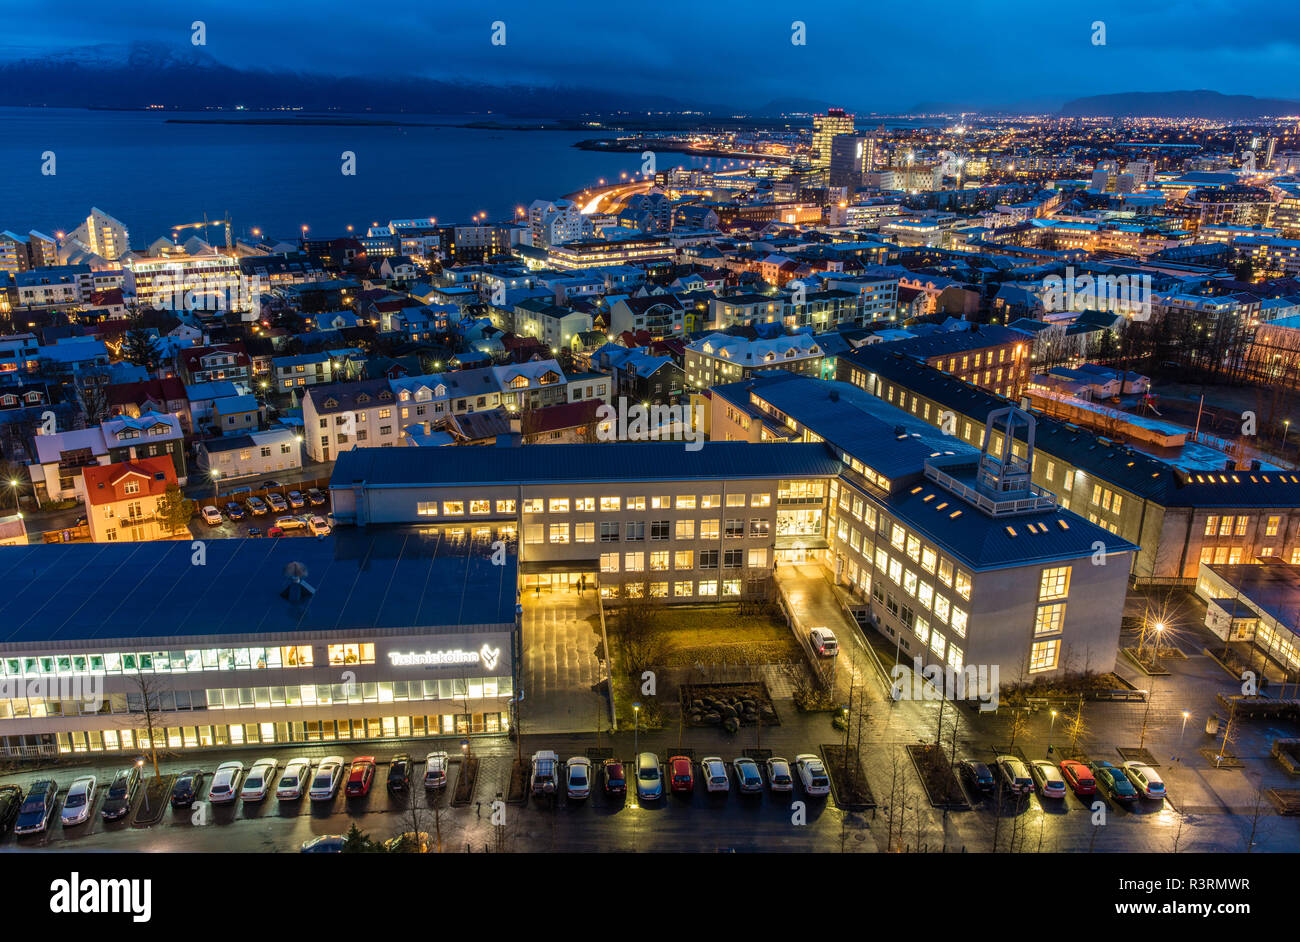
{"type": "Point", "coordinates": [149, 689]}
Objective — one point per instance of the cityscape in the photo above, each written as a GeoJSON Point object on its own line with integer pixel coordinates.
{"type": "Point", "coordinates": [654, 474]}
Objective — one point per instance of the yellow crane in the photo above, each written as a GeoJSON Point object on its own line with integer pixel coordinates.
{"type": "Point", "coordinates": [204, 225]}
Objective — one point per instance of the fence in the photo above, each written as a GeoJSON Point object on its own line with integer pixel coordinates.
{"type": "Point", "coordinates": [301, 486]}
{"type": "Point", "coordinates": [823, 672]}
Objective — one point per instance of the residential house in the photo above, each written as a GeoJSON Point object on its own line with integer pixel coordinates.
{"type": "Point", "coordinates": [122, 500]}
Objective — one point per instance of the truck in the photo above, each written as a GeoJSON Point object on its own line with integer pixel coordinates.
{"type": "Point", "coordinates": [546, 766]}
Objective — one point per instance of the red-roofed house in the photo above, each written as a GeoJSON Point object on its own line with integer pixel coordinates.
{"type": "Point", "coordinates": [566, 423]}
{"type": "Point", "coordinates": [122, 499]}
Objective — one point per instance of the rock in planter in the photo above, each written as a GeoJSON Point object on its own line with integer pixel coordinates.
{"type": "Point", "coordinates": [712, 718]}
{"type": "Point", "coordinates": [731, 724]}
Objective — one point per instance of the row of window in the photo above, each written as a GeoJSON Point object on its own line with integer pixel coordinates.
{"type": "Point", "coordinates": [686, 559]}
{"type": "Point", "coordinates": [241, 734]}
{"type": "Point", "coordinates": [202, 659]}
{"type": "Point", "coordinates": [247, 698]}
{"type": "Point", "coordinates": [704, 588]}
{"type": "Point", "coordinates": [636, 531]}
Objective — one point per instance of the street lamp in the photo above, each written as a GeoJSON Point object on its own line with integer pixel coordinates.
{"type": "Point", "coordinates": [1184, 729]}
{"type": "Point", "coordinates": [1050, 726]}
{"type": "Point", "coordinates": [636, 729]}
{"type": "Point", "coordinates": [215, 473]}
{"type": "Point", "coordinates": [1286, 427]}
{"type": "Point", "coordinates": [1160, 629]}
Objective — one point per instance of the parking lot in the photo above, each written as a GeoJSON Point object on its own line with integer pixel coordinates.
{"type": "Point", "coordinates": [253, 524]}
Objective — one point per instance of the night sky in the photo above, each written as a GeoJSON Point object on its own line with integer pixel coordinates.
{"type": "Point", "coordinates": [869, 56]}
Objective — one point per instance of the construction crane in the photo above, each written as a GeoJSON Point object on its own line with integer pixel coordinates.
{"type": "Point", "coordinates": [204, 225]}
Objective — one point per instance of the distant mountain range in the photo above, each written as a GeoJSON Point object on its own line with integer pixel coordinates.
{"type": "Point", "coordinates": [148, 74]}
{"type": "Point", "coordinates": [1201, 103]}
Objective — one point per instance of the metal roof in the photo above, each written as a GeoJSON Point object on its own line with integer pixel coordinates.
{"type": "Point", "coordinates": [371, 578]}
{"type": "Point", "coordinates": [585, 463]}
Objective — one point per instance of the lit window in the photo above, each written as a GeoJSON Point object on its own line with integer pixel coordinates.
{"type": "Point", "coordinates": [1050, 619]}
{"type": "Point", "coordinates": [558, 505]}
{"type": "Point", "coordinates": [1054, 584]}
{"type": "Point", "coordinates": [1043, 654]}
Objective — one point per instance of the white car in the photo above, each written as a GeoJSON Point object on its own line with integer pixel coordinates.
{"type": "Point", "coordinates": [211, 516]}
{"type": "Point", "coordinates": [714, 772]}
{"type": "Point", "coordinates": [823, 642]}
{"type": "Point", "coordinates": [80, 799]}
{"type": "Point", "coordinates": [225, 784]}
{"type": "Point", "coordinates": [812, 774]}
{"type": "Point", "coordinates": [779, 778]}
{"type": "Point", "coordinates": [294, 780]}
{"type": "Point", "coordinates": [258, 781]}
{"type": "Point", "coordinates": [1048, 778]}
{"type": "Point", "coordinates": [318, 525]}
{"type": "Point", "coordinates": [579, 774]}
{"type": "Point", "coordinates": [435, 770]}
{"type": "Point", "coordinates": [328, 775]}
{"type": "Point", "coordinates": [1145, 779]}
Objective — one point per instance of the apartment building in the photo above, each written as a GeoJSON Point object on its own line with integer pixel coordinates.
{"type": "Point", "coordinates": [987, 356]}
{"type": "Point", "coordinates": [122, 500]}
{"type": "Point", "coordinates": [724, 358]}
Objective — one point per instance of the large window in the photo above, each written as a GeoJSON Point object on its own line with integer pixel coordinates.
{"type": "Point", "coordinates": [1055, 584]}
{"type": "Point", "coordinates": [1043, 654]}
{"type": "Point", "coordinates": [1050, 619]}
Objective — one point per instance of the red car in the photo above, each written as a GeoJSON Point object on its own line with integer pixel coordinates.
{"type": "Point", "coordinates": [361, 776]}
{"type": "Point", "coordinates": [1079, 777]}
{"type": "Point", "coordinates": [615, 780]}
{"type": "Point", "coordinates": [683, 779]}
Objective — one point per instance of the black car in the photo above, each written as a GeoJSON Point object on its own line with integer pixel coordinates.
{"type": "Point", "coordinates": [256, 531]}
{"type": "Point", "coordinates": [267, 485]}
{"type": "Point", "coordinates": [315, 497]}
{"type": "Point", "coordinates": [399, 773]}
{"type": "Point", "coordinates": [34, 816]}
{"type": "Point", "coordinates": [186, 789]}
{"type": "Point", "coordinates": [11, 799]}
{"type": "Point", "coordinates": [977, 774]}
{"type": "Point", "coordinates": [121, 794]}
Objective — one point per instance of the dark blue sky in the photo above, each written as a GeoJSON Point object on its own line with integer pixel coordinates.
{"type": "Point", "coordinates": [866, 55]}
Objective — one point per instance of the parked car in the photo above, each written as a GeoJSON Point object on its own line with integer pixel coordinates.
{"type": "Point", "coordinates": [1079, 777]}
{"type": "Point", "coordinates": [546, 766]}
{"type": "Point", "coordinates": [37, 808]}
{"type": "Point", "coordinates": [296, 500]}
{"type": "Point", "coordinates": [823, 642]}
{"type": "Point", "coordinates": [186, 789]}
{"type": "Point", "coordinates": [399, 773]}
{"type": "Point", "coordinates": [256, 531]}
{"type": "Point", "coordinates": [325, 844]}
{"type": "Point", "coordinates": [435, 770]}
{"type": "Point", "coordinates": [211, 516]}
{"type": "Point", "coordinates": [318, 525]}
{"type": "Point", "coordinates": [778, 775]}
{"type": "Point", "coordinates": [812, 774]}
{"type": "Point", "coordinates": [409, 842]}
{"type": "Point", "coordinates": [290, 523]}
{"type": "Point", "coordinates": [361, 776]}
{"type": "Point", "coordinates": [234, 511]}
{"type": "Point", "coordinates": [1145, 779]}
{"type": "Point", "coordinates": [615, 780]}
{"type": "Point", "coordinates": [649, 783]}
{"type": "Point", "coordinates": [977, 774]}
{"type": "Point", "coordinates": [225, 783]}
{"type": "Point", "coordinates": [273, 532]}
{"type": "Point", "coordinates": [294, 780]}
{"type": "Point", "coordinates": [267, 485]}
{"type": "Point", "coordinates": [1048, 779]}
{"type": "Point", "coordinates": [1015, 777]}
{"type": "Point", "coordinates": [578, 771]}
{"type": "Point", "coordinates": [315, 497]}
{"type": "Point", "coordinates": [11, 802]}
{"type": "Point", "coordinates": [748, 779]}
{"type": "Point", "coordinates": [714, 772]}
{"type": "Point", "coordinates": [1113, 783]}
{"type": "Point", "coordinates": [257, 784]}
{"type": "Point", "coordinates": [328, 775]}
{"type": "Point", "coordinates": [121, 794]}
{"type": "Point", "coordinates": [681, 775]}
{"type": "Point", "coordinates": [256, 506]}
{"type": "Point", "coordinates": [79, 801]}
{"type": "Point", "coordinates": [277, 503]}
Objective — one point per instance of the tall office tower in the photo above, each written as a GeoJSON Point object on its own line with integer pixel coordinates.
{"type": "Point", "coordinates": [852, 157]}
{"type": "Point", "coordinates": [825, 128]}
{"type": "Point", "coordinates": [1270, 144]}
{"type": "Point", "coordinates": [1143, 171]}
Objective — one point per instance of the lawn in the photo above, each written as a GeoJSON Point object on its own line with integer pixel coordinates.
{"type": "Point", "coordinates": [721, 634]}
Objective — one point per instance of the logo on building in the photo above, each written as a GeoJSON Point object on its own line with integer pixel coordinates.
{"type": "Point", "coordinates": [487, 655]}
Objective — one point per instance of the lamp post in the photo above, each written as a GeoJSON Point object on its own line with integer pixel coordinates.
{"type": "Point", "coordinates": [139, 764]}
{"type": "Point", "coordinates": [215, 474]}
{"type": "Point", "coordinates": [1286, 428]}
{"type": "Point", "coordinates": [1050, 727]}
{"type": "Point", "coordinates": [1186, 714]}
{"type": "Point", "coordinates": [1155, 659]}
{"type": "Point", "coordinates": [636, 730]}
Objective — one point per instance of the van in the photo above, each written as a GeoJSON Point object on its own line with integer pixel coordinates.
{"type": "Point", "coordinates": [545, 769]}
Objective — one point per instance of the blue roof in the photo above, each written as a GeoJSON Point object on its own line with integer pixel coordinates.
{"type": "Point", "coordinates": [371, 578]}
{"type": "Point", "coordinates": [606, 461]}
